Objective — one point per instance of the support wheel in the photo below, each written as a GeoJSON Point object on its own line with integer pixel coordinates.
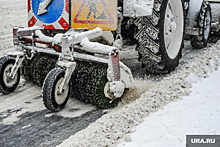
{"type": "Point", "coordinates": [204, 22]}
{"type": "Point", "coordinates": [160, 36]}
{"type": "Point", "coordinates": [52, 98]}
{"type": "Point", "coordinates": [8, 84]}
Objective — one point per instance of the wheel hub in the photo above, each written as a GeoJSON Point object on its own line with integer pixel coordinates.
{"type": "Point", "coordinates": [173, 27]}
{"type": "Point", "coordinates": [8, 80]}
{"type": "Point", "coordinates": [60, 97]}
{"type": "Point", "coordinates": [114, 89]}
{"type": "Point", "coordinates": [170, 24]}
{"type": "Point", "coordinates": [207, 25]}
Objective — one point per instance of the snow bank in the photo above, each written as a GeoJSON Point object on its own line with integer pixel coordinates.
{"type": "Point", "coordinates": [197, 114]}
{"type": "Point", "coordinates": [118, 123]}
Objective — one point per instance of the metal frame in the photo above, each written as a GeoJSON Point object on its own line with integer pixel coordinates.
{"type": "Point", "coordinates": [66, 46]}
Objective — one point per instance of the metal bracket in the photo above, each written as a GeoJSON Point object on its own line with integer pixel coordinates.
{"type": "Point", "coordinates": [66, 61]}
{"type": "Point", "coordinates": [70, 67]}
{"type": "Point", "coordinates": [115, 64]}
{"type": "Point", "coordinates": [115, 87]}
{"type": "Point", "coordinates": [66, 53]}
{"type": "Point", "coordinates": [18, 60]}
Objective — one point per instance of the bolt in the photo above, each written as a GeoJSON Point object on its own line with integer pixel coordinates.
{"type": "Point", "coordinates": [173, 19]}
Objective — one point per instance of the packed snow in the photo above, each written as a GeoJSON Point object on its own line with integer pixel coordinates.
{"type": "Point", "coordinates": [137, 8]}
{"type": "Point", "coordinates": [197, 114]}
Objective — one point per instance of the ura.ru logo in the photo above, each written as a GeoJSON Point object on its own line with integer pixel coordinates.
{"type": "Point", "coordinates": [201, 140]}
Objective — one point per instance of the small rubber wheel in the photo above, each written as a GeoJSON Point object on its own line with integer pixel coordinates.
{"type": "Point", "coordinates": [8, 84]}
{"type": "Point", "coordinates": [52, 98]}
{"type": "Point", "coordinates": [204, 22]}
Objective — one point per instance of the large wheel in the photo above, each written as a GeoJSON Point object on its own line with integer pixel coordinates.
{"type": "Point", "coordinates": [8, 84]}
{"type": "Point", "coordinates": [204, 23]}
{"type": "Point", "coordinates": [52, 98]}
{"type": "Point", "coordinates": [160, 36]}
{"type": "Point", "coordinates": [88, 83]}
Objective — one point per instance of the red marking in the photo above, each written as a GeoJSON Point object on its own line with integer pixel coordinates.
{"type": "Point", "coordinates": [32, 22]}
{"type": "Point", "coordinates": [48, 27]}
{"type": "Point", "coordinates": [111, 21]}
{"type": "Point", "coordinates": [115, 64]}
{"type": "Point", "coordinates": [29, 5]}
{"type": "Point", "coordinates": [56, 47]}
{"type": "Point", "coordinates": [63, 23]}
{"type": "Point", "coordinates": [15, 36]}
{"type": "Point", "coordinates": [67, 6]}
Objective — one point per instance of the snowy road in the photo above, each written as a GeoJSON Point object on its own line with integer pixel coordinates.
{"type": "Point", "coordinates": [24, 121]}
{"type": "Point", "coordinates": [197, 114]}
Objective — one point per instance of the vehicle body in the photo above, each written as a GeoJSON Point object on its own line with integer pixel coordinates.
{"type": "Point", "coordinates": [194, 11]}
{"type": "Point", "coordinates": [215, 23]}
{"type": "Point", "coordinates": [202, 21]}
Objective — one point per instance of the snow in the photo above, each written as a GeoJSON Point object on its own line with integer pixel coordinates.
{"type": "Point", "coordinates": [197, 114]}
{"type": "Point", "coordinates": [91, 34]}
{"type": "Point", "coordinates": [148, 104]}
{"type": "Point", "coordinates": [137, 8]}
{"type": "Point", "coordinates": [118, 43]}
{"type": "Point", "coordinates": [17, 100]}
{"type": "Point", "coordinates": [95, 47]}
{"type": "Point", "coordinates": [28, 99]}
{"type": "Point", "coordinates": [117, 87]}
{"type": "Point", "coordinates": [118, 123]}
{"type": "Point", "coordinates": [29, 29]}
{"type": "Point", "coordinates": [43, 37]}
{"type": "Point", "coordinates": [143, 7]}
{"type": "Point", "coordinates": [13, 13]}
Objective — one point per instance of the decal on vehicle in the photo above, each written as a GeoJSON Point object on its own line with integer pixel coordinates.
{"type": "Point", "coordinates": [89, 14]}
{"type": "Point", "coordinates": [50, 14]}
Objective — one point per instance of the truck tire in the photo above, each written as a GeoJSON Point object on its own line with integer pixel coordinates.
{"type": "Point", "coordinates": [204, 24]}
{"type": "Point", "coordinates": [52, 98]}
{"type": "Point", "coordinates": [7, 84]}
{"type": "Point", "coordinates": [160, 36]}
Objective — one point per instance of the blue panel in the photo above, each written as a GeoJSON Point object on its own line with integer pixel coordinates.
{"type": "Point", "coordinates": [54, 10]}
